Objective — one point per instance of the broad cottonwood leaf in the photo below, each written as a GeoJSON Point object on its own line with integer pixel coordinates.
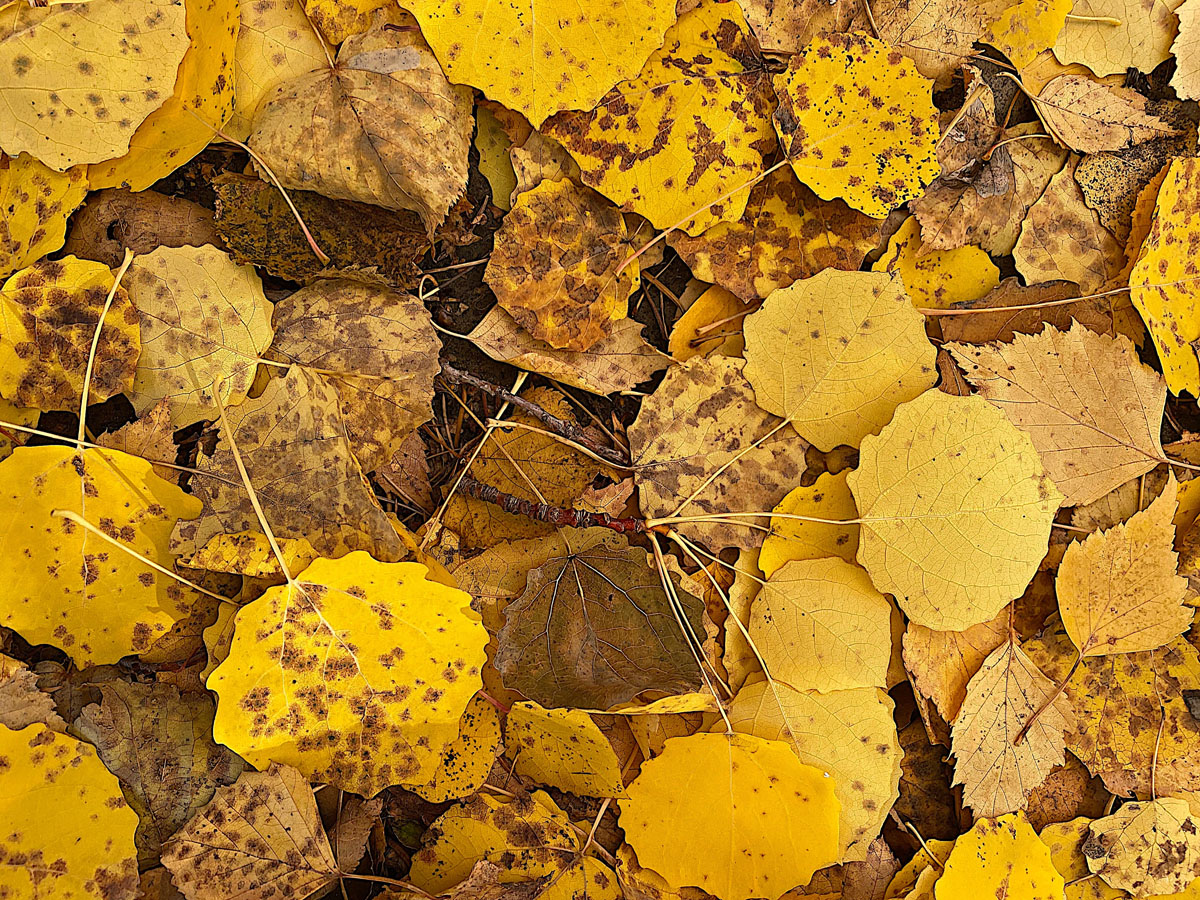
{"type": "Point", "coordinates": [702, 434]}
{"type": "Point", "coordinates": [158, 741]}
{"type": "Point", "coordinates": [37, 202]}
{"type": "Point", "coordinates": [555, 265]}
{"type": "Point", "coordinates": [356, 672]}
{"type": "Point", "coordinates": [563, 748]}
{"type": "Point", "coordinates": [941, 663]}
{"type": "Point", "coordinates": [569, 61]}
{"type": "Point", "coordinates": [1001, 857]}
{"type": "Point", "coordinates": [786, 233]}
{"type": "Point", "coordinates": [835, 355]}
{"type": "Point", "coordinates": [296, 449]}
{"type": "Point", "coordinates": [695, 812]}
{"type": "Point", "coordinates": [707, 327]}
{"type": "Point", "coordinates": [848, 734]}
{"type": "Point", "coordinates": [689, 129]}
{"type": "Point", "coordinates": [1025, 29]}
{"type": "Point", "coordinates": [1146, 847]}
{"type": "Point", "coordinates": [595, 627]}
{"type": "Point", "coordinates": [1090, 406]}
{"type": "Point", "coordinates": [1118, 591]}
{"type": "Point", "coordinates": [68, 831]}
{"type": "Point", "coordinates": [1090, 117]}
{"type": "Point", "coordinates": [49, 314]}
{"type": "Point", "coordinates": [820, 625]}
{"type": "Point", "coordinates": [467, 760]}
{"type": "Point", "coordinates": [956, 508]}
{"type": "Point", "coordinates": [80, 78]}
{"type": "Point", "coordinates": [935, 34]}
{"type": "Point", "coordinates": [829, 498]}
{"type": "Point", "coordinates": [936, 279]}
{"type": "Point", "coordinates": [382, 126]}
{"type": "Point", "coordinates": [1186, 79]}
{"type": "Point", "coordinates": [1131, 34]}
{"type": "Point", "coordinates": [996, 772]}
{"type": "Point", "coordinates": [66, 586]}
{"type": "Point", "coordinates": [1066, 840]}
{"type": "Point", "coordinates": [857, 121]}
{"type": "Point", "coordinates": [21, 702]}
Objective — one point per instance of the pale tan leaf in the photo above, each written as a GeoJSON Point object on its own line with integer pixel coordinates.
{"type": "Point", "coordinates": [1146, 848]}
{"type": "Point", "coordinates": [942, 663]}
{"type": "Point", "coordinates": [1089, 116]}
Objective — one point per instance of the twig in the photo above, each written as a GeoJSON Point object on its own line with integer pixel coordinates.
{"type": "Point", "coordinates": [561, 516]}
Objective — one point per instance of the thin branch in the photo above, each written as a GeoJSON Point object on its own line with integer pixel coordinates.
{"type": "Point", "coordinates": [561, 516]}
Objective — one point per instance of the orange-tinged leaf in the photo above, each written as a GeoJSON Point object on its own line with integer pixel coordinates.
{"type": "Point", "coordinates": [941, 663]}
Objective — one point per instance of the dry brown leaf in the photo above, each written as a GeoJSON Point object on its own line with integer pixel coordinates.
{"type": "Point", "coordinates": [1069, 791]}
{"type": "Point", "coordinates": [785, 25]}
{"type": "Point", "coordinates": [116, 218]}
{"type": "Point", "coordinates": [152, 437]}
{"type": "Point", "coordinates": [942, 663]}
{"type": "Point", "coordinates": [926, 799]}
{"type": "Point", "coordinates": [21, 703]}
{"type": "Point", "coordinates": [1097, 314]}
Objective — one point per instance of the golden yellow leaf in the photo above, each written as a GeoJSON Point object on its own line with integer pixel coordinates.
{"type": "Point", "coordinates": [1090, 406]}
{"type": "Point", "coordinates": [1066, 840]}
{"type": "Point", "coordinates": [493, 145]}
{"type": "Point", "coordinates": [857, 121]}
{"type": "Point", "coordinates": [647, 146]}
{"type": "Point", "coordinates": [997, 773]}
{"type": "Point", "coordinates": [563, 748]}
{"type": "Point", "coordinates": [249, 553]}
{"type": "Point", "coordinates": [68, 832]}
{"type": "Point", "coordinates": [468, 759]}
{"type": "Point", "coordinates": [941, 663]}
{"type": "Point", "coordinates": [339, 20]}
{"type": "Point", "coordinates": [820, 625]}
{"type": "Point", "coordinates": [37, 202]}
{"type": "Point", "coordinates": [48, 319]}
{"type": "Point", "coordinates": [188, 121]}
{"type": "Point", "coordinates": [931, 856]}
{"type": "Point", "coordinates": [720, 314]}
{"type": "Point", "coordinates": [835, 355]}
{"type": "Point", "coordinates": [828, 497]}
{"type": "Point", "coordinates": [848, 734]}
{"type": "Point", "coordinates": [81, 78]}
{"type": "Point", "coordinates": [740, 660]}
{"type": "Point", "coordinates": [357, 673]}
{"type": "Point", "coordinates": [1001, 857]}
{"type": "Point", "coordinates": [1025, 29]}
{"type": "Point", "coordinates": [1139, 38]}
{"type": "Point", "coordinates": [1146, 847]}
{"type": "Point", "coordinates": [694, 701]}
{"type": "Point", "coordinates": [956, 508]}
{"type": "Point", "coordinates": [937, 279]}
{"type": "Point", "coordinates": [696, 811]}
{"type": "Point", "coordinates": [203, 319]}
{"type": "Point", "coordinates": [1090, 116]}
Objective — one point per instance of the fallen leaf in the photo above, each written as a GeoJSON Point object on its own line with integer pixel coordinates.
{"type": "Point", "coordinates": [937, 279]}
{"type": "Point", "coordinates": [117, 218]}
{"type": "Point", "coordinates": [1186, 79]}
{"type": "Point", "coordinates": [1025, 29]}
{"type": "Point", "coordinates": [935, 34]}
{"type": "Point", "coordinates": [563, 748]}
{"type": "Point", "coordinates": [925, 796]}
{"type": "Point", "coordinates": [339, 20]}
{"type": "Point", "coordinates": [1070, 790]}
{"type": "Point", "coordinates": [1001, 856]}
{"type": "Point", "coordinates": [37, 202]}
{"type": "Point", "coordinates": [1097, 314]}
{"type": "Point", "coordinates": [493, 144]}
{"type": "Point", "coordinates": [468, 759]}
{"type": "Point", "coordinates": [829, 498]}
{"type": "Point", "coordinates": [21, 702]}
{"type": "Point", "coordinates": [1089, 116]}
{"type": "Point", "coordinates": [151, 438]}
{"type": "Point", "coordinates": [1066, 841]}
{"type": "Point", "coordinates": [711, 326]}
{"type": "Point", "coordinates": [1146, 847]}
{"type": "Point", "coordinates": [1138, 35]}
{"type": "Point", "coordinates": [915, 880]}
{"type": "Point", "coordinates": [540, 158]}
{"type": "Point", "coordinates": [784, 25]}
{"type": "Point", "coordinates": [941, 663]}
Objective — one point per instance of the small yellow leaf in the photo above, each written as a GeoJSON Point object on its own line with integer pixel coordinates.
{"type": "Point", "coordinates": [1146, 847]}
{"type": "Point", "coordinates": [1066, 840]}
{"type": "Point", "coordinates": [720, 314]}
{"type": "Point", "coordinates": [827, 498]}
{"type": "Point", "coordinates": [493, 144]}
{"type": "Point", "coordinates": [468, 759]}
{"type": "Point", "coordinates": [1025, 29]}
{"type": "Point", "coordinates": [937, 279]}
{"type": "Point", "coordinates": [563, 748]}
{"type": "Point", "coordinates": [1136, 35]}
{"type": "Point", "coordinates": [37, 202]}
{"type": "Point", "coordinates": [931, 857]}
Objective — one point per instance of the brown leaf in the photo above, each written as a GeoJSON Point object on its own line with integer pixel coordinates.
{"type": "Point", "coordinates": [926, 799]}
{"type": "Point", "coordinates": [935, 34]}
{"type": "Point", "coordinates": [1068, 792]}
{"type": "Point", "coordinates": [349, 835]}
{"type": "Point", "coordinates": [1090, 117]}
{"type": "Point", "coordinates": [116, 218]}
{"type": "Point", "coordinates": [1002, 325]}
{"type": "Point", "coordinates": [785, 25]}
{"type": "Point", "coordinates": [151, 437]}
{"type": "Point", "coordinates": [21, 703]}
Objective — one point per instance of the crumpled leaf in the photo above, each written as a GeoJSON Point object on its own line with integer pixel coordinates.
{"type": "Point", "coordinates": [1089, 116]}
{"type": "Point", "coordinates": [37, 202]}
{"type": "Point", "coordinates": [116, 218]}
{"type": "Point", "coordinates": [48, 319]}
{"type": "Point", "coordinates": [70, 65]}
{"type": "Point", "coordinates": [957, 510]}
{"type": "Point", "coordinates": [1138, 35]}
{"type": "Point", "coordinates": [1146, 848]}
{"type": "Point", "coordinates": [936, 279]}
{"type": "Point", "coordinates": [555, 265]}
{"type": "Point", "coordinates": [1003, 857]}
{"type": "Point", "coordinates": [829, 497]}
{"type": "Point", "coordinates": [68, 831]}
{"type": "Point", "coordinates": [941, 663]}
{"type": "Point", "coordinates": [594, 627]}
{"type": "Point", "coordinates": [382, 126]}
{"type": "Point", "coordinates": [356, 672]}
{"type": "Point", "coordinates": [701, 420]}
{"type": "Point", "coordinates": [1026, 28]}
{"type": "Point", "coordinates": [835, 355]}
{"type": "Point", "coordinates": [563, 748]}
{"type": "Point", "coordinates": [467, 760]}
{"type": "Point", "coordinates": [647, 148]}
{"type": "Point", "coordinates": [21, 702]}
{"type": "Point", "coordinates": [844, 85]}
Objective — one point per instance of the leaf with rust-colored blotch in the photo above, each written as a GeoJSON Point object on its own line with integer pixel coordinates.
{"type": "Point", "coordinates": [1146, 848]}
{"type": "Point", "coordinates": [37, 201]}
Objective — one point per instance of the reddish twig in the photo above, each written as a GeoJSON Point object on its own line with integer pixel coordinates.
{"type": "Point", "coordinates": [561, 516]}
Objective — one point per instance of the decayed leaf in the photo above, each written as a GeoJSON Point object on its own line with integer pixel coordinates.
{"type": "Point", "coordinates": [21, 703]}
{"type": "Point", "coordinates": [382, 126]}
{"type": "Point", "coordinates": [786, 233]}
{"type": "Point", "coordinates": [357, 673]}
{"type": "Point", "coordinates": [540, 158]}
{"type": "Point", "coordinates": [820, 625]}
{"type": "Point", "coordinates": [941, 663]}
{"type": "Point", "coordinates": [925, 796]}
{"type": "Point", "coordinates": [1113, 182]}
{"type": "Point", "coordinates": [342, 19]}
{"type": "Point", "coordinates": [643, 147]}
{"type": "Point", "coordinates": [957, 510]}
{"type": "Point", "coordinates": [828, 498]}
{"type": "Point", "coordinates": [536, 61]}
{"type": "Point", "coordinates": [563, 748]}
{"type": "Point", "coordinates": [151, 437]}
{"type": "Point", "coordinates": [936, 278]}
{"type": "Point", "coordinates": [996, 772]}
{"type": "Point", "coordinates": [935, 34]}
{"type": "Point", "coordinates": [1100, 314]}
{"type": "Point", "coordinates": [857, 121]}
{"type": "Point", "coordinates": [1001, 857]}
{"type": "Point", "coordinates": [594, 627]}
{"type": "Point", "coordinates": [467, 760]}
{"type": "Point", "coordinates": [703, 420]}
{"type": "Point", "coordinates": [1146, 848]}
{"type": "Point", "coordinates": [1136, 35]}
{"type": "Point", "coordinates": [849, 734]}
{"type": "Point", "coordinates": [555, 266]}
{"type": "Point", "coordinates": [48, 319]}
{"type": "Point", "coordinates": [158, 742]}
{"type": "Point", "coordinates": [695, 811]}
{"type": "Point", "coordinates": [36, 201]}
{"type": "Point", "coordinates": [1090, 406]}
{"type": "Point", "coordinates": [1089, 116]}
{"type": "Point", "coordinates": [784, 25]}
{"type": "Point", "coordinates": [68, 67]}
{"type": "Point", "coordinates": [835, 355]}
{"type": "Point", "coordinates": [68, 832]}
{"type": "Point", "coordinates": [1026, 28]}
{"type": "Point", "coordinates": [116, 218]}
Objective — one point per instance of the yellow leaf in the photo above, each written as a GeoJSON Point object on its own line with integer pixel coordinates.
{"type": "Point", "coordinates": [66, 586]}
{"type": "Point", "coordinates": [820, 625]}
{"type": "Point", "coordinates": [468, 759]}
{"type": "Point", "coordinates": [1146, 847]}
{"type": "Point", "coordinates": [69, 832]}
{"type": "Point", "coordinates": [827, 498]}
{"type": "Point", "coordinates": [1092, 117]}
{"type": "Point", "coordinates": [848, 734]}
{"type": "Point", "coordinates": [81, 78]}
{"type": "Point", "coordinates": [357, 673]}
{"type": "Point", "coordinates": [688, 129]}
{"type": "Point", "coordinates": [858, 122]}
{"type": "Point", "coordinates": [720, 314]}
{"type": "Point", "coordinates": [696, 701]}
{"type": "Point", "coordinates": [836, 353]}
{"type": "Point", "coordinates": [563, 748]}
{"type": "Point", "coordinates": [37, 202]}
{"type": "Point", "coordinates": [342, 19]}
{"type": "Point", "coordinates": [493, 145]}
{"type": "Point", "coordinates": [1090, 406]}
{"type": "Point", "coordinates": [1026, 28]}
{"type": "Point", "coordinates": [956, 509]}
{"type": "Point", "coordinates": [931, 857]}
{"type": "Point", "coordinates": [188, 121]}
{"type": "Point", "coordinates": [249, 553]}
{"type": "Point", "coordinates": [937, 279]}
{"type": "Point", "coordinates": [997, 773]}
{"type": "Point", "coordinates": [204, 318]}
{"type": "Point", "coordinates": [1139, 38]}
{"type": "Point", "coordinates": [698, 810]}
{"type": "Point", "coordinates": [1066, 840]}
{"type": "Point", "coordinates": [941, 663]}
{"type": "Point", "coordinates": [740, 660]}
{"type": "Point", "coordinates": [48, 318]}
{"type": "Point", "coordinates": [1001, 857]}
